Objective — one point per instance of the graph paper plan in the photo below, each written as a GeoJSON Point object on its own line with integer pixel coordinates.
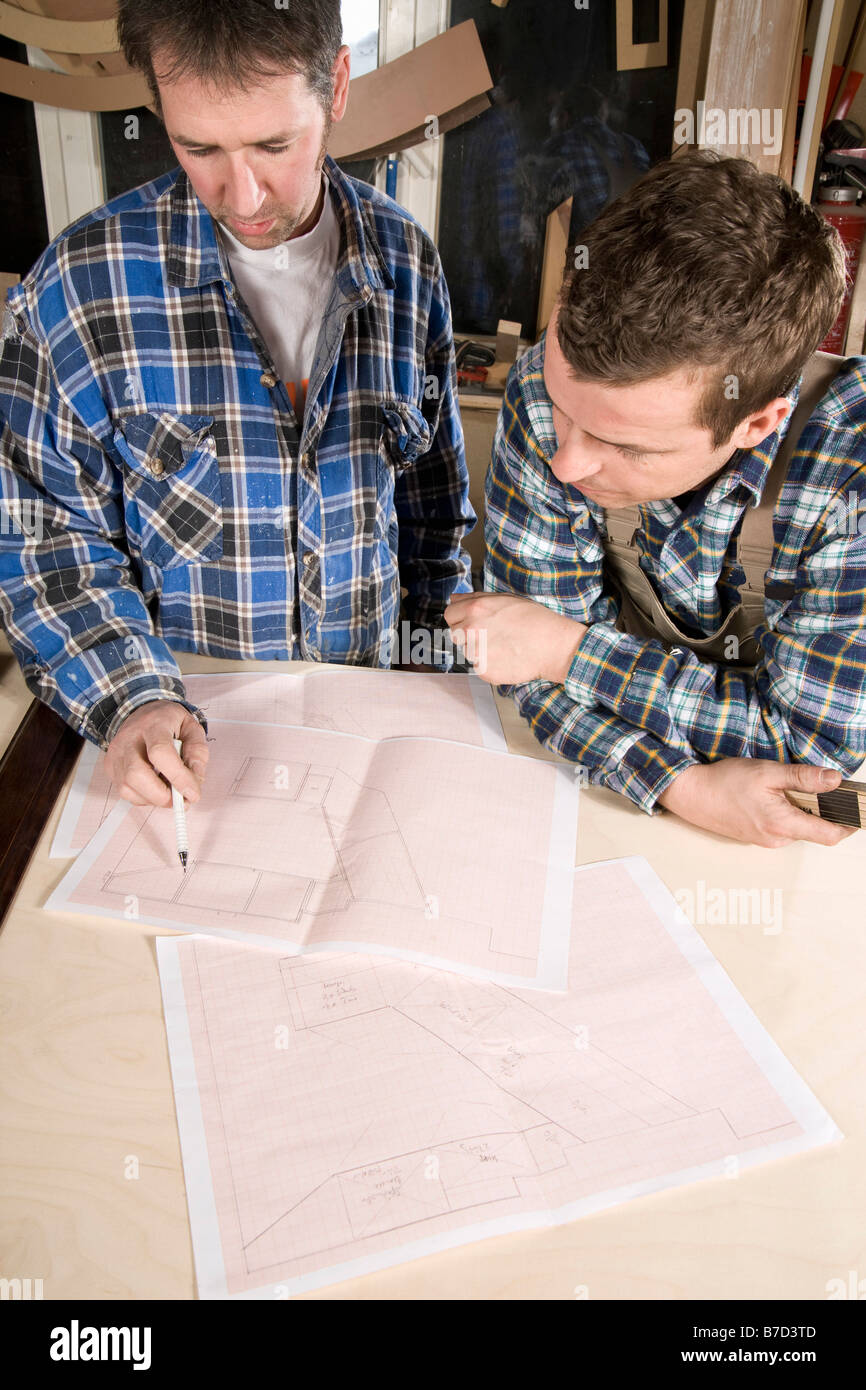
{"type": "Point", "coordinates": [438, 852]}
{"type": "Point", "coordinates": [338, 1115]}
{"type": "Point", "coordinates": [347, 699]}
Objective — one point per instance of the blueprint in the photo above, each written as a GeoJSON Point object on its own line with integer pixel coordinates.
{"type": "Point", "coordinates": [347, 699]}
{"type": "Point", "coordinates": [433, 851]}
{"type": "Point", "coordinates": [341, 1114]}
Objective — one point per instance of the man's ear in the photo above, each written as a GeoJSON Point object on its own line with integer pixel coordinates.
{"type": "Point", "coordinates": [342, 74]}
{"type": "Point", "coordinates": [760, 423]}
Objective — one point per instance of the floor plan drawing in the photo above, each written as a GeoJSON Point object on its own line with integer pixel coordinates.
{"type": "Point", "coordinates": [343, 699]}
{"type": "Point", "coordinates": [338, 1114]}
{"type": "Point", "coordinates": [439, 852]}
{"type": "Point", "coordinates": [341, 845]}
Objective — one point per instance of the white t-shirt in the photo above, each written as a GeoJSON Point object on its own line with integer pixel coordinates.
{"type": "Point", "coordinates": [287, 288]}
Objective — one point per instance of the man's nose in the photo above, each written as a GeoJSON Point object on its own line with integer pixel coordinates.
{"type": "Point", "coordinates": [244, 195]}
{"type": "Point", "coordinates": [574, 461]}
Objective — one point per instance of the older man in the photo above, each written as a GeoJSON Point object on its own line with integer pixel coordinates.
{"type": "Point", "coordinates": [230, 397]}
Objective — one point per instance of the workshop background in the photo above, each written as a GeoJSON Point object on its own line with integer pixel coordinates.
{"type": "Point", "coordinates": [544, 112]}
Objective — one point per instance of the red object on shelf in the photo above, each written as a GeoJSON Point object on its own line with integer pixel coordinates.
{"type": "Point", "coordinates": [839, 207]}
{"type": "Point", "coordinates": [468, 376]}
{"type": "Point", "coordinates": [854, 80]}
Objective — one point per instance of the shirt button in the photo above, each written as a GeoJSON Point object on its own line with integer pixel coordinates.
{"type": "Point", "coordinates": [309, 559]}
{"type": "Point", "coordinates": [210, 442]}
{"type": "Point", "coordinates": [157, 468]}
{"type": "Point", "coordinates": [268, 379]}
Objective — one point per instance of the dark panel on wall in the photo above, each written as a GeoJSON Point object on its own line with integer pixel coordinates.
{"type": "Point", "coordinates": [130, 162]}
{"type": "Point", "coordinates": [23, 226]}
{"type": "Point", "coordinates": [563, 123]}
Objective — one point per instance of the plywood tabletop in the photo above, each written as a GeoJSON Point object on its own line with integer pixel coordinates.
{"type": "Point", "coordinates": [92, 1194]}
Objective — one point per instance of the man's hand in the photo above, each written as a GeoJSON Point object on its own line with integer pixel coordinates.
{"type": "Point", "coordinates": [142, 748]}
{"type": "Point", "coordinates": [510, 640]}
{"type": "Point", "coordinates": [744, 798]}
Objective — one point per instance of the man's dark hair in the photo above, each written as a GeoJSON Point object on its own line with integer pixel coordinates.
{"type": "Point", "coordinates": [232, 44]}
{"type": "Point", "coordinates": [704, 263]}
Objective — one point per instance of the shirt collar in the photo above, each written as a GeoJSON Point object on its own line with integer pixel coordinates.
{"type": "Point", "coordinates": [195, 257]}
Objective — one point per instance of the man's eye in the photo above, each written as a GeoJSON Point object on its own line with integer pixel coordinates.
{"type": "Point", "coordinates": [268, 149]}
{"type": "Point", "coordinates": [629, 453]}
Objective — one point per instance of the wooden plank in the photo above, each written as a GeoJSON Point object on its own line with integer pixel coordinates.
{"type": "Point", "coordinates": [816, 98]}
{"type": "Point", "coordinates": [850, 55]}
{"type": "Point", "coordinates": [553, 265]}
{"type": "Point", "coordinates": [752, 56]}
{"type": "Point", "coordinates": [390, 109]}
{"type": "Point", "coordinates": [786, 163]}
{"type": "Point", "coordinates": [70, 36]}
{"type": "Point", "coordinates": [33, 770]}
{"type": "Point", "coordinates": [73, 93]}
{"type": "Point", "coordinates": [694, 54]}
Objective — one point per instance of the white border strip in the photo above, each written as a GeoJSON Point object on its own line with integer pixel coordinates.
{"type": "Point", "coordinates": [61, 845]}
{"type": "Point", "coordinates": [206, 1239]}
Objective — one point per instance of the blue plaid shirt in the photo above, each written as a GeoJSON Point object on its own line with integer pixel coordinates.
{"type": "Point", "coordinates": [635, 713]}
{"type": "Point", "coordinates": [157, 487]}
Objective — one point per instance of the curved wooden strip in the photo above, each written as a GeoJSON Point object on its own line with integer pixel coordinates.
{"type": "Point", "coordinates": [65, 35]}
{"type": "Point", "coordinates": [389, 109]}
{"type": "Point", "coordinates": [90, 64]}
{"type": "Point", "coordinates": [79, 10]}
{"type": "Point", "coordinates": [73, 93]}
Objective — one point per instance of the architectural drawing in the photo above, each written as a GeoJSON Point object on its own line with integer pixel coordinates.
{"type": "Point", "coordinates": [345, 699]}
{"type": "Point", "coordinates": [442, 853]}
{"type": "Point", "coordinates": [349, 1112]}
{"type": "Point", "coordinates": [339, 844]}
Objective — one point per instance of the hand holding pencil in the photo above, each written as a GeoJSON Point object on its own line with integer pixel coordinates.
{"type": "Point", "coordinates": [142, 759]}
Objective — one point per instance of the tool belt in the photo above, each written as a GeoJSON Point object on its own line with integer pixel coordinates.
{"type": "Point", "coordinates": [642, 613]}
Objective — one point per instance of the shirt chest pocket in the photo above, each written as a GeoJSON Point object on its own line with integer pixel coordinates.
{"type": "Point", "coordinates": [171, 487]}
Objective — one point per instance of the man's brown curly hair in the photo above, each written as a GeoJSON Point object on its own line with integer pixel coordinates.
{"type": "Point", "coordinates": [704, 263]}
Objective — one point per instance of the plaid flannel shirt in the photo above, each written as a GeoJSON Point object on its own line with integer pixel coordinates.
{"type": "Point", "coordinates": [634, 713]}
{"type": "Point", "coordinates": [157, 487]}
